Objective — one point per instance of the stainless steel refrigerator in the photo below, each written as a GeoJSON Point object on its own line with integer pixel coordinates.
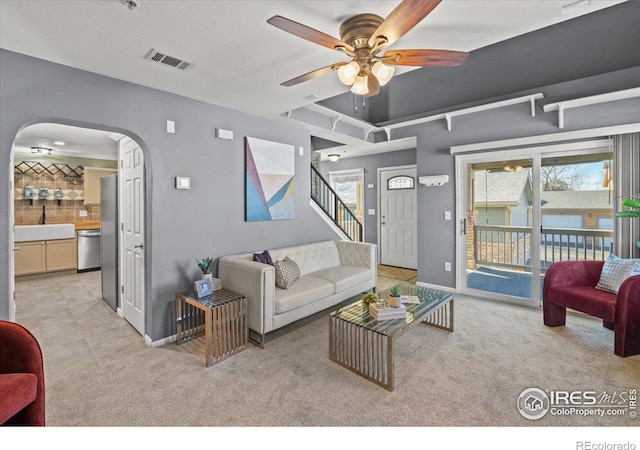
{"type": "Point", "coordinates": [109, 239]}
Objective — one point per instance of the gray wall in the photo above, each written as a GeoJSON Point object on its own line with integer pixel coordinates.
{"type": "Point", "coordinates": [592, 54]}
{"type": "Point", "coordinates": [207, 220]}
{"type": "Point", "coordinates": [436, 237]}
{"type": "Point", "coordinates": [370, 164]}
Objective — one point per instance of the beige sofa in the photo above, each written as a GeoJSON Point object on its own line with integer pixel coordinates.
{"type": "Point", "coordinates": [330, 272]}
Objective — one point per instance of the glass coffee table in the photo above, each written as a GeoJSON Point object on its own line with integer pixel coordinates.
{"type": "Point", "coordinates": [364, 345]}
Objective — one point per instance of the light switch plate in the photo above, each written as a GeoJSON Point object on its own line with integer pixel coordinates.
{"type": "Point", "coordinates": [171, 126]}
{"type": "Point", "coordinates": [371, 212]}
{"type": "Point", "coordinates": [371, 186]}
{"type": "Point", "coordinates": [447, 215]}
{"type": "Point", "coordinates": [183, 183]}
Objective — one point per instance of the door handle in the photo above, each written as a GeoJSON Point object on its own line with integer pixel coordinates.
{"type": "Point", "coordinates": [141, 246]}
{"type": "Point", "coordinates": [383, 223]}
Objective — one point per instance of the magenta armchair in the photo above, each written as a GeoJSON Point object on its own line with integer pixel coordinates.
{"type": "Point", "coordinates": [572, 284]}
{"type": "Point", "coordinates": [21, 377]}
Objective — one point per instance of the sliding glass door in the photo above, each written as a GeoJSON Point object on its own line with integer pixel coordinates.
{"type": "Point", "coordinates": [520, 215]}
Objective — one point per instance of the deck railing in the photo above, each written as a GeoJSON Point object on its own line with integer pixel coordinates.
{"type": "Point", "coordinates": [505, 246]}
{"type": "Point", "coordinates": [331, 203]}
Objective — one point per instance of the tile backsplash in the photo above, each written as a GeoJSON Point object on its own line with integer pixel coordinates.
{"type": "Point", "coordinates": [70, 205]}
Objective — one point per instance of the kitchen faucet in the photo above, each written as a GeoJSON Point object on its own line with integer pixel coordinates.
{"type": "Point", "coordinates": [43, 217]}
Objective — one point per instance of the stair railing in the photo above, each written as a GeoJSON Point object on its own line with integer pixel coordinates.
{"type": "Point", "coordinates": [333, 206]}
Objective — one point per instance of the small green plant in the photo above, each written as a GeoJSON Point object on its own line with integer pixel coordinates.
{"type": "Point", "coordinates": [634, 209]}
{"type": "Point", "coordinates": [370, 297]}
{"type": "Point", "coordinates": [205, 264]}
{"type": "Point", "coordinates": [394, 291]}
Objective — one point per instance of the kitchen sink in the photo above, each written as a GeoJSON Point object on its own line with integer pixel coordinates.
{"type": "Point", "coordinates": [44, 232]}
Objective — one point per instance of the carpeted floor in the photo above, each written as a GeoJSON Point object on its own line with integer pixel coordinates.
{"type": "Point", "coordinates": [471, 377]}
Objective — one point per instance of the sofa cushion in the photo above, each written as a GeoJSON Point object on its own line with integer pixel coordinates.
{"type": "Point", "coordinates": [615, 271]}
{"type": "Point", "coordinates": [287, 272]}
{"type": "Point", "coordinates": [264, 258]}
{"type": "Point", "coordinates": [304, 291]}
{"type": "Point", "coordinates": [17, 390]}
{"type": "Point", "coordinates": [310, 257]}
{"type": "Point", "coordinates": [344, 277]}
{"type": "Point", "coordinates": [586, 299]}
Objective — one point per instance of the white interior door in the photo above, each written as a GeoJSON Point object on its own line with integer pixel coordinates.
{"type": "Point", "coordinates": [398, 225]}
{"type": "Point", "coordinates": [132, 233]}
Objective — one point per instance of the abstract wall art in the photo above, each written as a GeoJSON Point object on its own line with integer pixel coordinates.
{"type": "Point", "coordinates": [269, 180]}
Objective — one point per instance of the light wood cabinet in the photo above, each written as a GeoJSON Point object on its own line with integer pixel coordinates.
{"type": "Point", "coordinates": [30, 259]}
{"type": "Point", "coordinates": [61, 254]}
{"type": "Point", "coordinates": [92, 177]}
{"type": "Point", "coordinates": [37, 257]}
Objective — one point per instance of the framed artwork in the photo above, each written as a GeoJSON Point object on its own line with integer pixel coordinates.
{"type": "Point", "coordinates": [269, 180]}
{"type": "Point", "coordinates": [203, 287]}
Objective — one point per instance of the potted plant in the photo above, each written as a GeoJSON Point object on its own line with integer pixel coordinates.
{"type": "Point", "coordinates": [370, 297]}
{"type": "Point", "coordinates": [205, 267]}
{"type": "Point", "coordinates": [394, 296]}
{"type": "Point", "coordinates": [634, 209]}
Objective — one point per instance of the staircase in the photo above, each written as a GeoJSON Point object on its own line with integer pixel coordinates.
{"type": "Point", "coordinates": [333, 206]}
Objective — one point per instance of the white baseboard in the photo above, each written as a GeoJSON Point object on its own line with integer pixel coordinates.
{"type": "Point", "coordinates": [436, 286]}
{"type": "Point", "coordinates": [159, 343]}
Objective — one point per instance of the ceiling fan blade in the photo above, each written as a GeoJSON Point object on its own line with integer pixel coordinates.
{"type": "Point", "coordinates": [373, 85]}
{"type": "Point", "coordinates": [402, 19]}
{"type": "Point", "coordinates": [445, 58]}
{"type": "Point", "coordinates": [310, 34]}
{"type": "Point", "coordinates": [314, 74]}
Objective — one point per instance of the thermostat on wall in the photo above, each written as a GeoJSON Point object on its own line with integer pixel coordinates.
{"type": "Point", "coordinates": [183, 183]}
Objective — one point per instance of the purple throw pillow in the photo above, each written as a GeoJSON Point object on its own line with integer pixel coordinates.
{"type": "Point", "coordinates": [264, 257]}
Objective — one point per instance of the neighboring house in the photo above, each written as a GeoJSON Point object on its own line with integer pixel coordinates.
{"type": "Point", "coordinates": [502, 198]}
{"type": "Point", "coordinates": [578, 209]}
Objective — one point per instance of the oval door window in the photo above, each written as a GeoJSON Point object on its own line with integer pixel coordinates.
{"type": "Point", "coordinates": [400, 182]}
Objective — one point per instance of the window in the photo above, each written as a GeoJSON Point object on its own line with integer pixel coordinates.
{"type": "Point", "coordinates": [400, 182]}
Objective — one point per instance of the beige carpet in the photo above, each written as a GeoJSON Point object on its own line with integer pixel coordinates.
{"type": "Point", "coordinates": [471, 377]}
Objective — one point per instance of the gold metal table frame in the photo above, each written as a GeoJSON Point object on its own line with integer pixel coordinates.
{"type": "Point", "coordinates": [220, 316]}
{"type": "Point", "coordinates": [364, 345]}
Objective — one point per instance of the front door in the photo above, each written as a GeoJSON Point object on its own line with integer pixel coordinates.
{"type": "Point", "coordinates": [398, 225]}
{"type": "Point", "coordinates": [132, 213]}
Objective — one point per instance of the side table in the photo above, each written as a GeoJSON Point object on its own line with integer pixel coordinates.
{"type": "Point", "coordinates": [220, 316]}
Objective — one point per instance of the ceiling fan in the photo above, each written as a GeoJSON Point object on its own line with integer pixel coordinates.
{"type": "Point", "coordinates": [363, 37]}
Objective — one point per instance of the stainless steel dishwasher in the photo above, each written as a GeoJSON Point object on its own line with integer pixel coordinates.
{"type": "Point", "coordinates": [88, 250]}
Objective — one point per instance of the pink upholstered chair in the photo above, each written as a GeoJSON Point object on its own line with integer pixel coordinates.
{"type": "Point", "coordinates": [21, 377]}
{"type": "Point", "coordinates": [571, 284]}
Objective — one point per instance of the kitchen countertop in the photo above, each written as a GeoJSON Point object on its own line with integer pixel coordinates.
{"type": "Point", "coordinates": [80, 224]}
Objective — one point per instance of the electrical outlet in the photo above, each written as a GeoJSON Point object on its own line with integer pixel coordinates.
{"type": "Point", "coordinates": [447, 267]}
{"type": "Point", "coordinates": [83, 213]}
{"type": "Point", "coordinates": [447, 215]}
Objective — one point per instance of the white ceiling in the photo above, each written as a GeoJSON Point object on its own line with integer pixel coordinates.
{"type": "Point", "coordinates": [78, 142]}
{"type": "Point", "coordinates": [239, 60]}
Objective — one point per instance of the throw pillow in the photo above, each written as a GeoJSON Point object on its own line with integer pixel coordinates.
{"type": "Point", "coordinates": [287, 271]}
{"type": "Point", "coordinates": [264, 257]}
{"type": "Point", "coordinates": [615, 271]}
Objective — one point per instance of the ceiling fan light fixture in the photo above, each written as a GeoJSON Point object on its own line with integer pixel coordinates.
{"type": "Point", "coordinates": [360, 86]}
{"type": "Point", "coordinates": [347, 73]}
{"type": "Point", "coordinates": [382, 72]}
{"type": "Point", "coordinates": [515, 168]}
{"type": "Point", "coordinates": [333, 157]}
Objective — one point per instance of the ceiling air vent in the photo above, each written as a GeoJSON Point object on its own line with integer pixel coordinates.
{"type": "Point", "coordinates": [163, 58]}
